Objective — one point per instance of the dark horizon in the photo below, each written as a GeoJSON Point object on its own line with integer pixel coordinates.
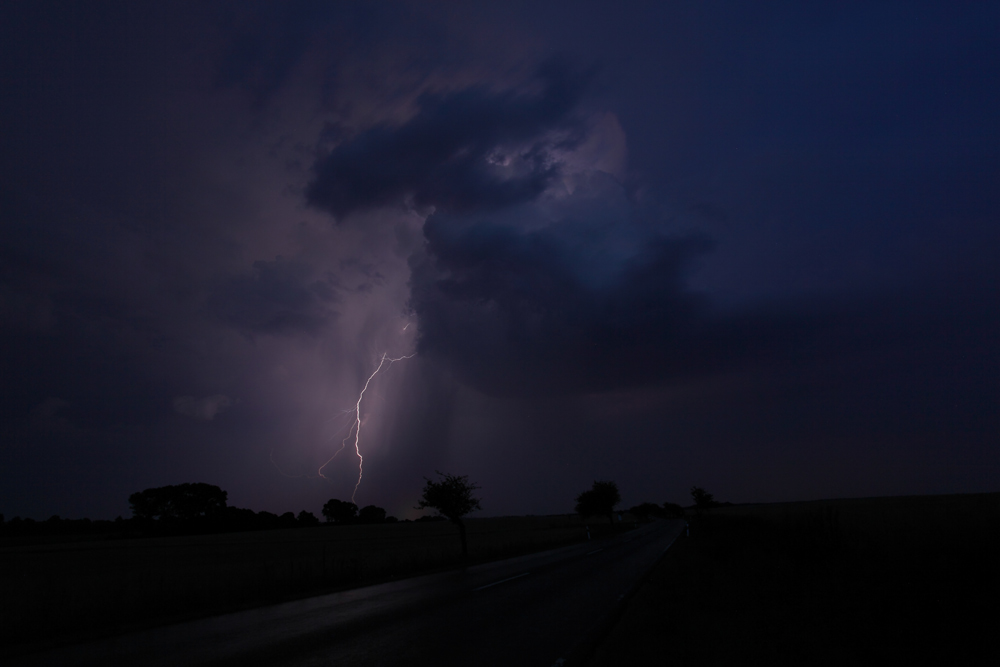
{"type": "Point", "coordinates": [686, 504]}
{"type": "Point", "coordinates": [746, 247]}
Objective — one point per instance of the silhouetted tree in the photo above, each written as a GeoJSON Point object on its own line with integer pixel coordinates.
{"type": "Point", "coordinates": [307, 519]}
{"type": "Point", "coordinates": [600, 499]}
{"type": "Point", "coordinates": [646, 511]}
{"type": "Point", "coordinates": [340, 511]}
{"type": "Point", "coordinates": [702, 498]}
{"type": "Point", "coordinates": [371, 514]}
{"type": "Point", "coordinates": [452, 497]}
{"type": "Point", "coordinates": [182, 501]}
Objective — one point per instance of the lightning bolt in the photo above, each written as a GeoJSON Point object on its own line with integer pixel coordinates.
{"type": "Point", "coordinates": [356, 426]}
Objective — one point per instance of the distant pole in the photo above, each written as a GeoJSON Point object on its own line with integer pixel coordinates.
{"type": "Point", "coordinates": [588, 531]}
{"type": "Point", "coordinates": [687, 529]}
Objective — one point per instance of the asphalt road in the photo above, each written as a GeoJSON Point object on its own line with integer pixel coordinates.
{"type": "Point", "coordinates": [534, 610]}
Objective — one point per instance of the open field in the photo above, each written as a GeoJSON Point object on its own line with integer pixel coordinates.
{"type": "Point", "coordinates": [72, 590]}
{"type": "Point", "coordinates": [869, 581]}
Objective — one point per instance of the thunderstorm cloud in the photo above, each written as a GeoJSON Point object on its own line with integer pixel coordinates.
{"type": "Point", "coordinates": [281, 296]}
{"type": "Point", "coordinates": [468, 149]}
{"type": "Point", "coordinates": [751, 250]}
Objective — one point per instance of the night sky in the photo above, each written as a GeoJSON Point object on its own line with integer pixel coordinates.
{"type": "Point", "coordinates": [750, 246]}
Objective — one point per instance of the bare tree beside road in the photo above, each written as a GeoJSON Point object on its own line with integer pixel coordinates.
{"type": "Point", "coordinates": [452, 498]}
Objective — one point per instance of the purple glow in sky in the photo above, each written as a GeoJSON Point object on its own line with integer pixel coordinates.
{"type": "Point", "coordinates": [748, 246]}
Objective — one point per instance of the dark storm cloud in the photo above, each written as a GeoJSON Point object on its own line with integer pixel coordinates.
{"type": "Point", "coordinates": [830, 330]}
{"type": "Point", "coordinates": [588, 302]}
{"type": "Point", "coordinates": [282, 297]}
{"type": "Point", "coordinates": [517, 308]}
{"type": "Point", "coordinates": [465, 150]}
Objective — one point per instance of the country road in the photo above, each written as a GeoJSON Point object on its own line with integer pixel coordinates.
{"type": "Point", "coordinates": [532, 610]}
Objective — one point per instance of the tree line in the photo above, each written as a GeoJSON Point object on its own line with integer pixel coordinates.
{"type": "Point", "coordinates": [603, 497]}
{"type": "Point", "coordinates": [195, 508]}
{"type": "Point", "coordinates": [199, 508]}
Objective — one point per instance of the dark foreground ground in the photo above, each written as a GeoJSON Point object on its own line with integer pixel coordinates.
{"type": "Point", "coordinates": [54, 593]}
{"type": "Point", "coordinates": [536, 610]}
{"type": "Point", "coordinates": [867, 581]}
{"type": "Point", "coordinates": [873, 581]}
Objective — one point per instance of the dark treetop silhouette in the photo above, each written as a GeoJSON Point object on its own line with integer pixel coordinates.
{"type": "Point", "coordinates": [702, 498]}
{"type": "Point", "coordinates": [452, 497]}
{"type": "Point", "coordinates": [307, 519]}
{"type": "Point", "coordinates": [600, 499]}
{"type": "Point", "coordinates": [647, 511]}
{"type": "Point", "coordinates": [371, 514]}
{"type": "Point", "coordinates": [340, 511]}
{"type": "Point", "coordinates": [182, 501]}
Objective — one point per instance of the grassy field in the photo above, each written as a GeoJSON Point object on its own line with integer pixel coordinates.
{"type": "Point", "coordinates": [871, 581]}
{"type": "Point", "coordinates": [55, 592]}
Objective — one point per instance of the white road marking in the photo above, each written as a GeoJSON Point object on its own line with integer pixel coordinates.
{"type": "Point", "coordinates": [495, 583]}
